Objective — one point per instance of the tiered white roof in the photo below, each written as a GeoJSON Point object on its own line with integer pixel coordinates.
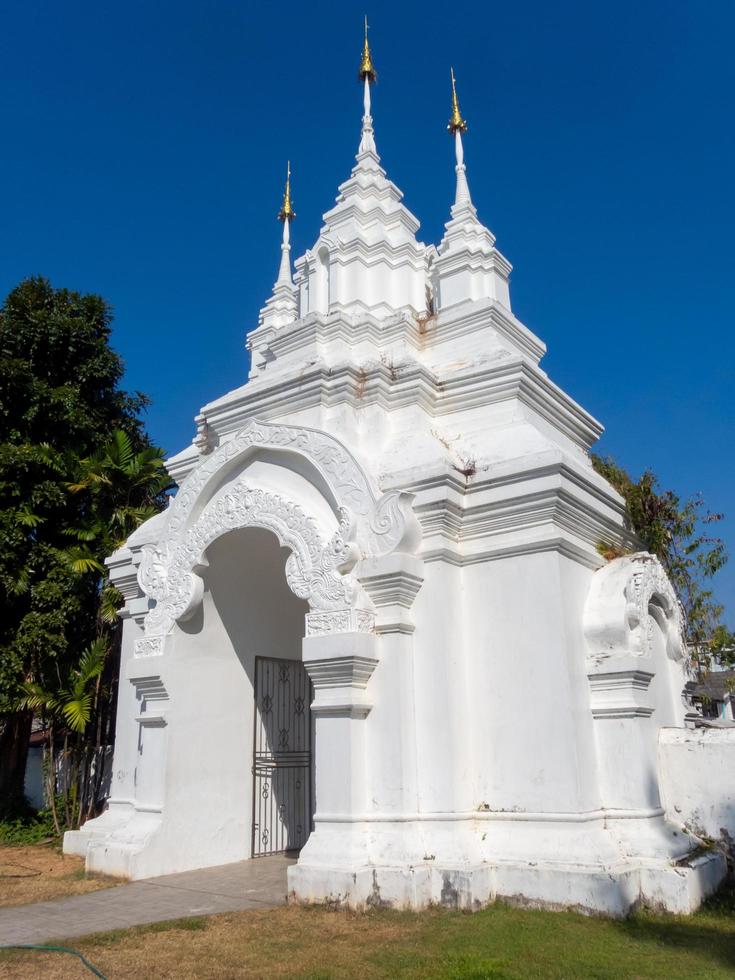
{"type": "Point", "coordinates": [367, 259]}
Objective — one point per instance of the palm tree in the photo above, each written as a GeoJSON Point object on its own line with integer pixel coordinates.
{"type": "Point", "coordinates": [124, 488]}
{"type": "Point", "coordinates": [68, 707]}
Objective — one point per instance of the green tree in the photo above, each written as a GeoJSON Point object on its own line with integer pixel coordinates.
{"type": "Point", "coordinates": [60, 401]}
{"type": "Point", "coordinates": [123, 488]}
{"type": "Point", "coordinates": [678, 532]}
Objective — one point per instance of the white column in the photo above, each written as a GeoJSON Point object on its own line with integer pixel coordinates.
{"type": "Point", "coordinates": [392, 582]}
{"type": "Point", "coordinates": [340, 666]}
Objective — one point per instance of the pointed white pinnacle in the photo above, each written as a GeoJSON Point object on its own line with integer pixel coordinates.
{"type": "Point", "coordinates": [462, 195]}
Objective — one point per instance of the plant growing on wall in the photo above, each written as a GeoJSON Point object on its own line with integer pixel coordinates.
{"type": "Point", "coordinates": [678, 532]}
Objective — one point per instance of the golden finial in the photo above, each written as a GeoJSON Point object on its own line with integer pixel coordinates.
{"type": "Point", "coordinates": [367, 68]}
{"type": "Point", "coordinates": [287, 212]}
{"type": "Point", "coordinates": [456, 123]}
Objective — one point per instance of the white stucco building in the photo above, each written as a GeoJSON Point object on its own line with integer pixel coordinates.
{"type": "Point", "coordinates": [388, 530]}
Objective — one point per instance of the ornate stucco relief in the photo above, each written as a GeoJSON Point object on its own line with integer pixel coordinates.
{"type": "Point", "coordinates": [338, 467]}
{"type": "Point", "coordinates": [617, 621]}
{"type": "Point", "coordinates": [317, 570]}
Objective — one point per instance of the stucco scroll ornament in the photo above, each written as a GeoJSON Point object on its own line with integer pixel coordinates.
{"type": "Point", "coordinates": [617, 618]}
{"type": "Point", "coordinates": [394, 525]}
{"type": "Point", "coordinates": [315, 570]}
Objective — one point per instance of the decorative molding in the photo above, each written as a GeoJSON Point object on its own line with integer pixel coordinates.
{"type": "Point", "coordinates": [336, 464]}
{"type": "Point", "coordinates": [392, 582]}
{"type": "Point", "coordinates": [437, 394]}
{"type": "Point", "coordinates": [620, 694]}
{"type": "Point", "coordinates": [303, 338]}
{"type": "Point", "coordinates": [339, 684]}
{"type": "Point", "coordinates": [349, 620]}
{"type": "Point", "coordinates": [149, 646]}
{"type": "Point", "coordinates": [150, 690]}
{"type": "Point", "coordinates": [123, 574]}
{"type": "Point", "coordinates": [338, 672]}
{"type": "Point", "coordinates": [205, 440]}
{"type": "Point", "coordinates": [340, 666]}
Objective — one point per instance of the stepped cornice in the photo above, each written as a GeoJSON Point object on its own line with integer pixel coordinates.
{"type": "Point", "coordinates": [408, 384]}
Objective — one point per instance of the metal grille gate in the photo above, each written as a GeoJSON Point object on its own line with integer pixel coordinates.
{"type": "Point", "coordinates": [281, 756]}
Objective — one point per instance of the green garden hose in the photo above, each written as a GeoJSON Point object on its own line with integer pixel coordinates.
{"type": "Point", "coordinates": [59, 949]}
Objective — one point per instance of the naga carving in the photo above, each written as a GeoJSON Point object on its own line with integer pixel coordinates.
{"type": "Point", "coordinates": [617, 621]}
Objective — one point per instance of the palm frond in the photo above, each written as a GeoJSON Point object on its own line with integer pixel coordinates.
{"type": "Point", "coordinates": [93, 660]}
{"type": "Point", "coordinates": [35, 697]}
{"type": "Point", "coordinates": [50, 456]}
{"type": "Point", "coordinates": [81, 561]}
{"type": "Point", "coordinates": [111, 599]}
{"type": "Point", "coordinates": [84, 533]}
{"type": "Point", "coordinates": [120, 449]}
{"type": "Point", "coordinates": [20, 583]}
{"type": "Point", "coordinates": [77, 712]}
{"type": "Point", "coordinates": [29, 519]}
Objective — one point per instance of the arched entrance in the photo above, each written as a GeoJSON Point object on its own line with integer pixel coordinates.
{"type": "Point", "coordinates": [252, 619]}
{"type": "Point", "coordinates": [255, 563]}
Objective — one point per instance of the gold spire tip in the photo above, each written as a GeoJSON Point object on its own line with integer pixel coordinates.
{"type": "Point", "coordinates": [367, 68]}
{"type": "Point", "coordinates": [456, 124]}
{"type": "Point", "coordinates": [287, 212]}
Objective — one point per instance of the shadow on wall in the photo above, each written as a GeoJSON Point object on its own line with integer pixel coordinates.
{"type": "Point", "coordinates": [249, 612]}
{"type": "Point", "coordinates": [247, 583]}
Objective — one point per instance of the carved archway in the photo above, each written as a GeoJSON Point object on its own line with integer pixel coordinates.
{"type": "Point", "coordinates": [316, 570]}
{"type": "Point", "coordinates": [338, 467]}
{"type": "Point", "coordinates": [319, 567]}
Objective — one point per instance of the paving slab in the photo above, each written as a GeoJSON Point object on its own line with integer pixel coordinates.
{"type": "Point", "coordinates": [259, 883]}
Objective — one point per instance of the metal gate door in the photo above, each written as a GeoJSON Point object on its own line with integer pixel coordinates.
{"type": "Point", "coordinates": [281, 756]}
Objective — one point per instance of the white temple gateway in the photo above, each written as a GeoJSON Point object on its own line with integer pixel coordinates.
{"type": "Point", "coordinates": [374, 626]}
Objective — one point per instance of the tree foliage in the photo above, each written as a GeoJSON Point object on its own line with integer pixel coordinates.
{"type": "Point", "coordinates": [77, 474]}
{"type": "Point", "coordinates": [678, 532]}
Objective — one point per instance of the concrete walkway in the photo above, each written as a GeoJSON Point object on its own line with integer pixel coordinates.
{"type": "Point", "coordinates": [256, 884]}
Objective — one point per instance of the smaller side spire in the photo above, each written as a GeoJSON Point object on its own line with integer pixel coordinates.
{"type": "Point", "coordinates": [457, 126]}
{"type": "Point", "coordinates": [282, 307]}
{"type": "Point", "coordinates": [467, 266]}
{"type": "Point", "coordinates": [368, 76]}
{"type": "Point", "coordinates": [286, 215]}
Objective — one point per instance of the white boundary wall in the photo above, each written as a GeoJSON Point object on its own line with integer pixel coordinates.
{"type": "Point", "coordinates": [697, 771]}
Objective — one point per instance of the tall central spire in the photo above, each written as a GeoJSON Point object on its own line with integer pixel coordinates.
{"type": "Point", "coordinates": [368, 76]}
{"type": "Point", "coordinates": [457, 126]}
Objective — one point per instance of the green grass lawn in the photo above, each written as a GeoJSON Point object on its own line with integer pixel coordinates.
{"type": "Point", "coordinates": [501, 942]}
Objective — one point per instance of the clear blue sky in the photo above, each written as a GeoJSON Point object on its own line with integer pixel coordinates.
{"type": "Point", "coordinates": [143, 154]}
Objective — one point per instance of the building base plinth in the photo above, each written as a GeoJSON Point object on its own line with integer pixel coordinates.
{"type": "Point", "coordinates": [117, 843]}
{"type": "Point", "coordinates": [610, 891]}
